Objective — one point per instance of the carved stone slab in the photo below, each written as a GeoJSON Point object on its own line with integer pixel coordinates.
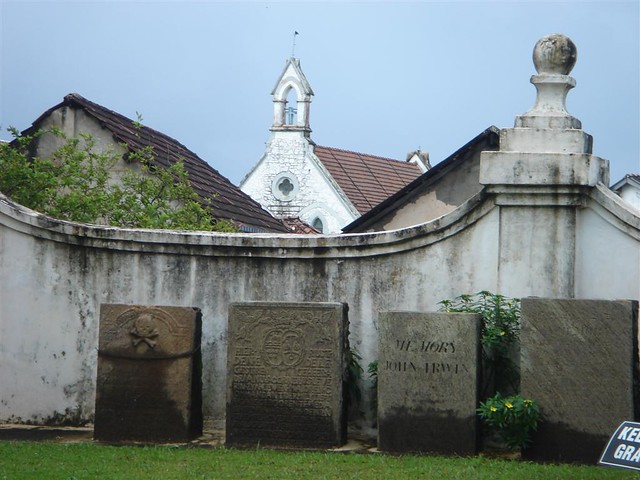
{"type": "Point", "coordinates": [428, 381]}
{"type": "Point", "coordinates": [149, 374]}
{"type": "Point", "coordinates": [579, 361]}
{"type": "Point", "coordinates": [285, 368]}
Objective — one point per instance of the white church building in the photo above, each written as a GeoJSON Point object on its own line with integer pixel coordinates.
{"type": "Point", "coordinates": [324, 187]}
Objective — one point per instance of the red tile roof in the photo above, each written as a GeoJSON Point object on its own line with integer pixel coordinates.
{"type": "Point", "coordinates": [296, 225]}
{"type": "Point", "coordinates": [227, 200]}
{"type": "Point", "coordinates": [489, 140]}
{"type": "Point", "coordinates": [366, 179]}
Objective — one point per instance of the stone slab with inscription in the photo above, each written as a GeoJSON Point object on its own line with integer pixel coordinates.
{"type": "Point", "coordinates": [285, 370]}
{"type": "Point", "coordinates": [149, 374]}
{"type": "Point", "coordinates": [428, 381]}
{"type": "Point", "coordinates": [579, 362]}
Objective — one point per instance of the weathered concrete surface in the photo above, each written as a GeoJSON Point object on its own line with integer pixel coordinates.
{"type": "Point", "coordinates": [285, 373]}
{"type": "Point", "coordinates": [428, 382]}
{"type": "Point", "coordinates": [580, 363]}
{"type": "Point", "coordinates": [522, 235]}
{"type": "Point", "coordinates": [149, 374]}
{"type": "Point", "coordinates": [55, 275]}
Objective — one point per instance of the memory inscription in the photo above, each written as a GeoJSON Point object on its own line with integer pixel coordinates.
{"type": "Point", "coordinates": [429, 348]}
{"type": "Point", "coordinates": [427, 382]}
{"type": "Point", "coordinates": [286, 365]}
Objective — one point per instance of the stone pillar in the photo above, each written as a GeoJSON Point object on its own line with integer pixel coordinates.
{"type": "Point", "coordinates": [539, 178]}
{"type": "Point", "coordinates": [278, 113]}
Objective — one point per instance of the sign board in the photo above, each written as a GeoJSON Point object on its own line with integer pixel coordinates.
{"type": "Point", "coordinates": [623, 449]}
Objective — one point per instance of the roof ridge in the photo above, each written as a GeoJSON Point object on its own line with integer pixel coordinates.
{"type": "Point", "coordinates": [226, 199]}
{"type": "Point", "coordinates": [365, 179]}
{"type": "Point", "coordinates": [360, 153]}
{"type": "Point", "coordinates": [86, 102]}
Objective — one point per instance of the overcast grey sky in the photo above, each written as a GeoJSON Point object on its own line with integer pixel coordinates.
{"type": "Point", "coordinates": [388, 77]}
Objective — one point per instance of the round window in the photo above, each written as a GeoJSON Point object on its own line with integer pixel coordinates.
{"type": "Point", "coordinates": [285, 187]}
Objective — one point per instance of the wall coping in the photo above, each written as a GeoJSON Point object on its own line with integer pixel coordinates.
{"type": "Point", "coordinates": [269, 245]}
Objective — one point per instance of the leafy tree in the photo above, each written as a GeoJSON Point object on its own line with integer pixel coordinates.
{"type": "Point", "coordinates": [74, 183]}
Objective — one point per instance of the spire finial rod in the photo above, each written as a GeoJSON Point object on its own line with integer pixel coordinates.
{"type": "Point", "coordinates": [293, 48]}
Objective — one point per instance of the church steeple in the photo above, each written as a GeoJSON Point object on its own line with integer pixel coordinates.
{"type": "Point", "coordinates": [291, 100]}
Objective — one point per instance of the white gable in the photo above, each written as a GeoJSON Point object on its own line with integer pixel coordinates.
{"type": "Point", "coordinates": [290, 181]}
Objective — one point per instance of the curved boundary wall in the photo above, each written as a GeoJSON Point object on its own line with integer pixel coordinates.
{"type": "Point", "coordinates": [563, 242]}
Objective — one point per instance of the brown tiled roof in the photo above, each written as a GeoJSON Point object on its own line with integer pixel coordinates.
{"type": "Point", "coordinates": [366, 179]}
{"type": "Point", "coordinates": [296, 225]}
{"type": "Point", "coordinates": [227, 200]}
{"type": "Point", "coordinates": [489, 139]}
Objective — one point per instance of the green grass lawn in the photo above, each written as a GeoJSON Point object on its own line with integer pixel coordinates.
{"type": "Point", "coordinates": [43, 460]}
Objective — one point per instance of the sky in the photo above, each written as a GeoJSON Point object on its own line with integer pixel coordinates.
{"type": "Point", "coordinates": [388, 77]}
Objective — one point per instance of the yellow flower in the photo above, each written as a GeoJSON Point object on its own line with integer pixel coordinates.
{"type": "Point", "coordinates": [493, 409]}
{"type": "Point", "coordinates": [502, 334]}
{"type": "Point", "coordinates": [508, 404]}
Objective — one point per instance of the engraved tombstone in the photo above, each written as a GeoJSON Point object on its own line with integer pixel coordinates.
{"type": "Point", "coordinates": [285, 370]}
{"type": "Point", "coordinates": [579, 362]}
{"type": "Point", "coordinates": [428, 380]}
{"type": "Point", "coordinates": [149, 374]}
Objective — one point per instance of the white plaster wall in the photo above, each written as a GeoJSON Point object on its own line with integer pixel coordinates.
{"type": "Point", "coordinates": [73, 122]}
{"type": "Point", "coordinates": [608, 250]}
{"type": "Point", "coordinates": [291, 153]}
{"type": "Point", "coordinates": [631, 195]}
{"type": "Point", "coordinates": [55, 275]}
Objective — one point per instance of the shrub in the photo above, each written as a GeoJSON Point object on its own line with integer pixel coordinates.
{"type": "Point", "coordinates": [513, 417]}
{"type": "Point", "coordinates": [74, 183]}
{"type": "Point", "coordinates": [500, 334]}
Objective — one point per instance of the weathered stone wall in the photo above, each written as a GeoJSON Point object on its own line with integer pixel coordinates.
{"type": "Point", "coordinates": [544, 224]}
{"type": "Point", "coordinates": [55, 275]}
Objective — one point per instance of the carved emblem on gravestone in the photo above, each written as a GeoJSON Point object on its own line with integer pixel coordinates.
{"type": "Point", "coordinates": [283, 347]}
{"type": "Point", "coordinates": [149, 368]}
{"type": "Point", "coordinates": [144, 330]}
{"type": "Point", "coordinates": [285, 369]}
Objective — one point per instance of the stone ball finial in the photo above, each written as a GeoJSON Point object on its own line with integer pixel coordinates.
{"type": "Point", "coordinates": [555, 54]}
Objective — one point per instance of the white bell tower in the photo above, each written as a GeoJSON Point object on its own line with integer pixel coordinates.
{"type": "Point", "coordinates": [291, 100]}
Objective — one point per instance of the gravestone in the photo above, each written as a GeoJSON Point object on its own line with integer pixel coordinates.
{"type": "Point", "coordinates": [579, 362]}
{"type": "Point", "coordinates": [286, 364]}
{"type": "Point", "coordinates": [149, 374]}
{"type": "Point", "coordinates": [428, 382]}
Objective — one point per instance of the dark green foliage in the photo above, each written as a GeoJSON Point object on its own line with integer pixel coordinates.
{"type": "Point", "coordinates": [73, 183]}
{"type": "Point", "coordinates": [514, 418]}
{"type": "Point", "coordinates": [372, 370]}
{"type": "Point", "coordinates": [500, 335]}
{"type": "Point", "coordinates": [354, 376]}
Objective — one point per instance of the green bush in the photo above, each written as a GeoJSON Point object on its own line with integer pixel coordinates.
{"type": "Point", "coordinates": [500, 334]}
{"type": "Point", "coordinates": [74, 183]}
{"type": "Point", "coordinates": [513, 417]}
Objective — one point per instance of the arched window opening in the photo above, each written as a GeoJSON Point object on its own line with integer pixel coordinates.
{"type": "Point", "coordinates": [291, 108]}
{"type": "Point", "coordinates": [317, 224]}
